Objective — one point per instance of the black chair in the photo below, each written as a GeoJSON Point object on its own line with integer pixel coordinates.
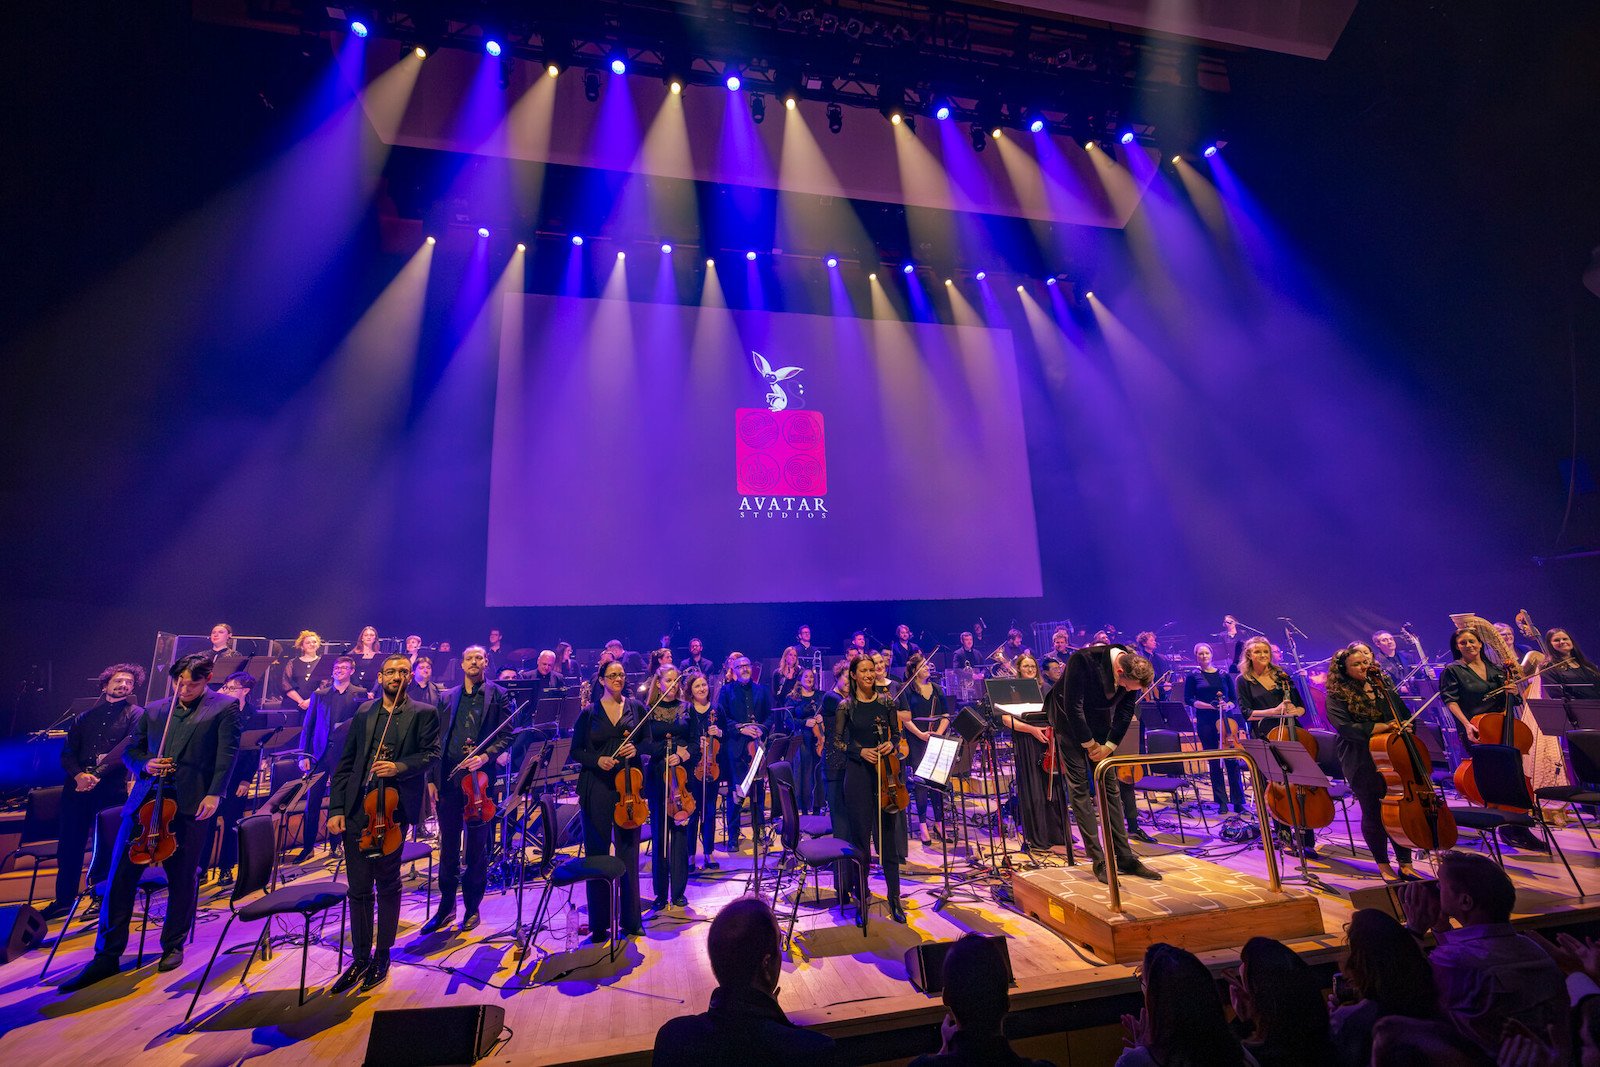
{"type": "Point", "coordinates": [1432, 737]}
{"type": "Point", "coordinates": [1502, 782]}
{"type": "Point", "coordinates": [106, 824]}
{"type": "Point", "coordinates": [257, 856]}
{"type": "Point", "coordinates": [1583, 767]}
{"type": "Point", "coordinates": [585, 869]}
{"type": "Point", "coordinates": [41, 822]}
{"type": "Point", "coordinates": [810, 825]}
{"type": "Point", "coordinates": [1167, 777]}
{"type": "Point", "coordinates": [286, 798]}
{"type": "Point", "coordinates": [812, 854]}
{"type": "Point", "coordinates": [1328, 759]}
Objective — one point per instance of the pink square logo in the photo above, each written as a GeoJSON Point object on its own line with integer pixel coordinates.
{"type": "Point", "coordinates": [780, 453]}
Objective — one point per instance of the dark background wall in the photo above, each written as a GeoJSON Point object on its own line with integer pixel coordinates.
{"type": "Point", "coordinates": [1365, 419]}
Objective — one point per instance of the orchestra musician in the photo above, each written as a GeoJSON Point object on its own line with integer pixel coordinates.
{"type": "Point", "coordinates": [923, 714]}
{"type": "Point", "coordinates": [745, 707]}
{"type": "Point", "coordinates": [1394, 661]}
{"type": "Point", "coordinates": [598, 748]}
{"type": "Point", "coordinates": [300, 669]}
{"type": "Point", "coordinates": [1006, 655]}
{"type": "Point", "coordinates": [367, 658]}
{"type": "Point", "coordinates": [470, 716]}
{"type": "Point", "coordinates": [697, 660]}
{"type": "Point", "coordinates": [565, 666]}
{"type": "Point", "coordinates": [197, 757]}
{"type": "Point", "coordinates": [669, 861]}
{"type": "Point", "coordinates": [1356, 708]}
{"type": "Point", "coordinates": [1264, 686]}
{"type": "Point", "coordinates": [413, 650]}
{"type": "Point", "coordinates": [1060, 649]}
{"type": "Point", "coordinates": [423, 689]}
{"type": "Point", "coordinates": [1230, 636]}
{"type": "Point", "coordinates": [397, 739]}
{"type": "Point", "coordinates": [865, 730]}
{"type": "Point", "coordinates": [497, 655]}
{"type": "Point", "coordinates": [1090, 711]}
{"type": "Point", "coordinates": [901, 650]}
{"type": "Point", "coordinates": [1146, 644]}
{"type": "Point", "coordinates": [786, 676]}
{"type": "Point", "coordinates": [966, 657]}
{"type": "Point", "coordinates": [221, 641]}
{"type": "Point", "coordinates": [833, 760]}
{"type": "Point", "coordinates": [702, 731]}
{"type": "Point", "coordinates": [1041, 797]}
{"type": "Point", "coordinates": [802, 643]}
{"type": "Point", "coordinates": [806, 716]}
{"type": "Point", "coordinates": [1571, 675]}
{"type": "Point", "coordinates": [93, 782]}
{"type": "Point", "coordinates": [1208, 693]}
{"type": "Point", "coordinates": [331, 707]}
{"type": "Point", "coordinates": [246, 765]}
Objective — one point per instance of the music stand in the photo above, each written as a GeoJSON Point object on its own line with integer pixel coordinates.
{"type": "Point", "coordinates": [740, 792]}
{"type": "Point", "coordinates": [1170, 715]}
{"type": "Point", "coordinates": [542, 767]}
{"type": "Point", "coordinates": [1298, 768]}
{"type": "Point", "coordinates": [1552, 717]}
{"type": "Point", "coordinates": [938, 763]}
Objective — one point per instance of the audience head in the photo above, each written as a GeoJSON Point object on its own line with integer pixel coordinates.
{"type": "Point", "coordinates": [1183, 1010]}
{"type": "Point", "coordinates": [1586, 1026]}
{"type": "Point", "coordinates": [1388, 967]}
{"type": "Point", "coordinates": [1285, 995]}
{"type": "Point", "coordinates": [975, 984]}
{"type": "Point", "coordinates": [1473, 890]}
{"type": "Point", "coordinates": [743, 945]}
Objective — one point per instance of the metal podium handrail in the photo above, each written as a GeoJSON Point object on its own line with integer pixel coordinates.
{"type": "Point", "coordinates": [1110, 763]}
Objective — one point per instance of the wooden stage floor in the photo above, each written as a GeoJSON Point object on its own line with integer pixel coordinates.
{"type": "Point", "coordinates": [598, 1011]}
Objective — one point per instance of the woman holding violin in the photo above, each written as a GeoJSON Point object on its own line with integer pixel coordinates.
{"type": "Point", "coordinates": [866, 731]}
{"type": "Point", "coordinates": [1571, 674]}
{"type": "Point", "coordinates": [923, 714]}
{"type": "Point", "coordinates": [1269, 701]}
{"type": "Point", "coordinates": [601, 747]}
{"type": "Point", "coordinates": [1360, 703]}
{"type": "Point", "coordinates": [806, 717]}
{"type": "Point", "coordinates": [1041, 792]}
{"type": "Point", "coordinates": [668, 741]}
{"type": "Point", "coordinates": [710, 775]}
{"type": "Point", "coordinates": [1208, 693]}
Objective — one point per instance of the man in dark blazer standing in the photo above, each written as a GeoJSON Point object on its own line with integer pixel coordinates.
{"type": "Point", "coordinates": [394, 739]}
{"type": "Point", "coordinates": [193, 754]}
{"type": "Point", "coordinates": [322, 735]}
{"type": "Point", "coordinates": [469, 715]}
{"type": "Point", "coordinates": [1090, 710]}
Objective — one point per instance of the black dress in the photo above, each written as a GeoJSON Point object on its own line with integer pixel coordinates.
{"type": "Point", "coordinates": [866, 826]}
{"type": "Point", "coordinates": [1253, 696]}
{"type": "Point", "coordinates": [1576, 681]}
{"type": "Point", "coordinates": [669, 857]}
{"type": "Point", "coordinates": [1460, 685]}
{"type": "Point", "coordinates": [366, 673]}
{"type": "Point", "coordinates": [807, 763]}
{"type": "Point", "coordinates": [930, 711]}
{"type": "Point", "coordinates": [595, 735]}
{"type": "Point", "coordinates": [706, 791]}
{"type": "Point", "coordinates": [833, 761]}
{"type": "Point", "coordinates": [297, 676]}
{"type": "Point", "coordinates": [1354, 723]}
{"type": "Point", "coordinates": [1041, 798]}
{"type": "Point", "coordinates": [1213, 687]}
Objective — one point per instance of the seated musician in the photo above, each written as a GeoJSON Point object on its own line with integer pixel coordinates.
{"type": "Point", "coordinates": [397, 740]}
{"type": "Point", "coordinates": [1356, 709]}
{"type": "Point", "coordinates": [697, 661]}
{"type": "Point", "coordinates": [1393, 660]}
{"type": "Point", "coordinates": [966, 657]}
{"type": "Point", "coordinates": [1060, 649]}
{"type": "Point", "coordinates": [423, 689]}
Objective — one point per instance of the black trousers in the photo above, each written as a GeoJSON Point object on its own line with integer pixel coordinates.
{"type": "Point", "coordinates": [808, 777]}
{"type": "Point", "coordinates": [867, 825]}
{"type": "Point", "coordinates": [229, 812]}
{"type": "Point", "coordinates": [313, 814]}
{"type": "Point", "coordinates": [453, 829]}
{"type": "Point", "coordinates": [837, 811]}
{"type": "Point", "coordinates": [377, 878]}
{"type": "Point", "coordinates": [1368, 787]}
{"type": "Point", "coordinates": [703, 823]}
{"type": "Point", "coordinates": [1205, 724]}
{"type": "Point", "coordinates": [603, 837]}
{"type": "Point", "coordinates": [78, 812]}
{"type": "Point", "coordinates": [183, 888]}
{"type": "Point", "coordinates": [669, 852]}
{"type": "Point", "coordinates": [1076, 769]}
{"type": "Point", "coordinates": [758, 810]}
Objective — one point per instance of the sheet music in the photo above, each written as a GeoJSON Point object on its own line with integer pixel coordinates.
{"type": "Point", "coordinates": [1019, 710]}
{"type": "Point", "coordinates": [938, 759]}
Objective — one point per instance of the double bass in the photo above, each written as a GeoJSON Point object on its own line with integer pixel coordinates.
{"type": "Point", "coordinates": [1501, 727]}
{"type": "Point", "coordinates": [1414, 813]}
{"type": "Point", "coordinates": [1301, 806]}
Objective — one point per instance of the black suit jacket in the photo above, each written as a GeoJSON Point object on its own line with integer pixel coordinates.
{"type": "Point", "coordinates": [1086, 704]}
{"type": "Point", "coordinates": [743, 1026]}
{"type": "Point", "coordinates": [496, 706]}
{"type": "Point", "coordinates": [203, 744]}
{"type": "Point", "coordinates": [413, 743]}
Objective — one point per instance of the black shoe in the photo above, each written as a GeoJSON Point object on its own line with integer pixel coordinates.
{"type": "Point", "coordinates": [301, 856]}
{"type": "Point", "coordinates": [98, 970]}
{"type": "Point", "coordinates": [226, 877]}
{"type": "Point", "coordinates": [377, 971]}
{"type": "Point", "coordinates": [55, 911]}
{"type": "Point", "coordinates": [1100, 870]}
{"type": "Point", "coordinates": [469, 922]}
{"type": "Point", "coordinates": [633, 931]}
{"type": "Point", "coordinates": [351, 977]}
{"type": "Point", "coordinates": [896, 912]}
{"type": "Point", "coordinates": [658, 904]}
{"type": "Point", "coordinates": [1138, 834]}
{"type": "Point", "coordinates": [171, 960]}
{"type": "Point", "coordinates": [1139, 870]}
{"type": "Point", "coordinates": [711, 864]}
{"type": "Point", "coordinates": [680, 901]}
{"type": "Point", "coordinates": [441, 919]}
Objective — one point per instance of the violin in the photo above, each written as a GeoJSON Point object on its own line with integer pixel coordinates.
{"type": "Point", "coordinates": [382, 834]}
{"type": "Point", "coordinates": [893, 797]}
{"type": "Point", "coordinates": [155, 842]}
{"type": "Point", "coordinates": [1047, 762]}
{"type": "Point", "coordinates": [710, 749]}
{"type": "Point", "coordinates": [480, 806]}
{"type": "Point", "coordinates": [679, 799]}
{"type": "Point", "coordinates": [1306, 807]}
{"type": "Point", "coordinates": [1414, 813]}
{"type": "Point", "coordinates": [1494, 726]}
{"type": "Point", "coordinates": [632, 810]}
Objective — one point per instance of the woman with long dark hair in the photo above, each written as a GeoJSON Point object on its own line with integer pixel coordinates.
{"type": "Point", "coordinates": [368, 658]}
{"type": "Point", "coordinates": [598, 748]}
{"type": "Point", "coordinates": [670, 840]}
{"type": "Point", "coordinates": [1359, 702]}
{"type": "Point", "coordinates": [865, 730]}
{"type": "Point", "coordinates": [1278, 995]}
{"type": "Point", "coordinates": [1389, 974]}
{"type": "Point", "coordinates": [923, 714]}
{"type": "Point", "coordinates": [1041, 796]}
{"type": "Point", "coordinates": [1182, 1022]}
{"type": "Point", "coordinates": [1570, 674]}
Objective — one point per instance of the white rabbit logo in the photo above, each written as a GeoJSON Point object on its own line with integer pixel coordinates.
{"type": "Point", "coordinates": [777, 399]}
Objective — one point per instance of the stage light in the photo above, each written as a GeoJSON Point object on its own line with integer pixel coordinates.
{"type": "Point", "coordinates": [521, 247]}
{"type": "Point", "coordinates": [1210, 151]}
{"type": "Point", "coordinates": [979, 138]}
{"type": "Point", "coordinates": [832, 261]}
{"type": "Point", "coordinates": [622, 255]}
{"type": "Point", "coordinates": [758, 108]}
{"type": "Point", "coordinates": [420, 52]}
{"type": "Point", "coordinates": [947, 281]}
{"type": "Point", "coordinates": [1127, 136]}
{"type": "Point", "coordinates": [733, 83]}
{"type": "Point", "coordinates": [894, 119]}
{"type": "Point", "coordinates": [675, 86]}
{"type": "Point", "coordinates": [552, 70]}
{"type": "Point", "coordinates": [835, 118]}
{"type": "Point", "coordinates": [711, 262]}
{"type": "Point", "coordinates": [666, 249]}
{"type": "Point", "coordinates": [483, 231]}
{"type": "Point", "coordinates": [359, 28]}
{"type": "Point", "coordinates": [982, 274]}
{"type": "Point", "coordinates": [1019, 288]}
{"type": "Point", "coordinates": [1089, 295]}
{"type": "Point", "coordinates": [790, 102]}
{"type": "Point", "coordinates": [1088, 146]}
{"type": "Point", "coordinates": [1049, 281]}
{"type": "Point", "coordinates": [492, 47]}
{"type": "Point", "coordinates": [872, 277]}
{"type": "Point", "coordinates": [751, 256]}
{"type": "Point", "coordinates": [430, 239]}
{"type": "Point", "coordinates": [577, 239]}
{"type": "Point", "coordinates": [908, 268]}
{"type": "Point", "coordinates": [1175, 160]}
{"type": "Point", "coordinates": [591, 86]}
{"type": "Point", "coordinates": [994, 134]}
{"type": "Point", "coordinates": [1036, 125]}
{"type": "Point", "coordinates": [942, 109]}
{"type": "Point", "coordinates": [619, 65]}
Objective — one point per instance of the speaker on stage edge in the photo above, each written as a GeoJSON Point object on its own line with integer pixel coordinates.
{"type": "Point", "coordinates": [21, 928]}
{"type": "Point", "coordinates": [433, 1037]}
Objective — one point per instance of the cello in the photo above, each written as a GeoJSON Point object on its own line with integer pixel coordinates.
{"type": "Point", "coordinates": [1301, 806]}
{"type": "Point", "coordinates": [1501, 727]}
{"type": "Point", "coordinates": [154, 842]}
{"type": "Point", "coordinates": [1414, 814]}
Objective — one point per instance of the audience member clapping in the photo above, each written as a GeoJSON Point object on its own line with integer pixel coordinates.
{"type": "Point", "coordinates": [1182, 1022]}
{"type": "Point", "coordinates": [1389, 975]}
{"type": "Point", "coordinates": [976, 994]}
{"type": "Point", "coordinates": [1278, 1000]}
